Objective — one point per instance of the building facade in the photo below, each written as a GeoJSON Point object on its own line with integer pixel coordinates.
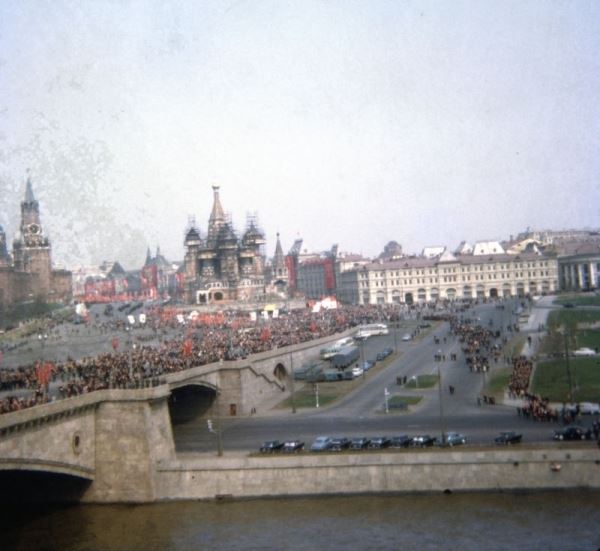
{"type": "Point", "coordinates": [220, 266]}
{"type": "Point", "coordinates": [579, 266]}
{"type": "Point", "coordinates": [450, 277]}
{"type": "Point", "coordinates": [29, 274]}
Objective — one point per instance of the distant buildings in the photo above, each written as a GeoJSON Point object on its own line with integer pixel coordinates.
{"type": "Point", "coordinates": [110, 282]}
{"type": "Point", "coordinates": [29, 274]}
{"type": "Point", "coordinates": [422, 279]}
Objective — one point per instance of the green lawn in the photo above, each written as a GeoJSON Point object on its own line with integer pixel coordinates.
{"type": "Point", "coordinates": [551, 380]}
{"type": "Point", "coordinates": [423, 381]}
{"type": "Point", "coordinates": [498, 381]}
{"type": "Point", "coordinates": [572, 317]}
{"type": "Point", "coordinates": [586, 299]}
{"type": "Point", "coordinates": [398, 401]}
{"type": "Point", "coordinates": [305, 397]}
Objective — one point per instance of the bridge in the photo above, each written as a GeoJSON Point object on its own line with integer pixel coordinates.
{"type": "Point", "coordinates": [112, 442]}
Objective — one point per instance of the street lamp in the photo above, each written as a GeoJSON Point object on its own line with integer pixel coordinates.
{"type": "Point", "coordinates": [43, 337]}
{"type": "Point", "coordinates": [441, 406]}
{"type": "Point", "coordinates": [316, 395]}
{"type": "Point", "coordinates": [217, 431]}
{"type": "Point", "coordinates": [292, 397]}
{"type": "Point", "coordinates": [386, 394]}
{"type": "Point", "coordinates": [416, 380]}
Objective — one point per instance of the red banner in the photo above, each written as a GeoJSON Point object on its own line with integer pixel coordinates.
{"type": "Point", "coordinates": [43, 372]}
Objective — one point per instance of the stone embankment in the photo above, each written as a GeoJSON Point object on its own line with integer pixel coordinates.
{"type": "Point", "coordinates": [403, 472]}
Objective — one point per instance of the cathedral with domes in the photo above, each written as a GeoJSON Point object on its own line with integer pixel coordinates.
{"type": "Point", "coordinates": [219, 265]}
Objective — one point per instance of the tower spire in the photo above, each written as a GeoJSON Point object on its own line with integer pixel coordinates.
{"type": "Point", "coordinates": [29, 197]}
{"type": "Point", "coordinates": [217, 215]}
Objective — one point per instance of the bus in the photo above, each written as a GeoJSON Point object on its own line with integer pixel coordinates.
{"type": "Point", "coordinates": [371, 330]}
{"type": "Point", "coordinates": [331, 351]}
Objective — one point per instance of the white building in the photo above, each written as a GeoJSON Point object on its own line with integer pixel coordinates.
{"type": "Point", "coordinates": [449, 277]}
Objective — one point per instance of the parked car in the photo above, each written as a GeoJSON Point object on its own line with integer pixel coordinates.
{"type": "Point", "coordinates": [455, 439]}
{"type": "Point", "coordinates": [584, 352]}
{"type": "Point", "coordinates": [402, 441]}
{"type": "Point", "coordinates": [379, 442]}
{"type": "Point", "coordinates": [422, 441]}
{"type": "Point", "coordinates": [293, 446]}
{"type": "Point", "coordinates": [570, 433]}
{"type": "Point", "coordinates": [568, 305]}
{"type": "Point", "coordinates": [406, 337]}
{"type": "Point", "coordinates": [271, 446]}
{"type": "Point", "coordinates": [321, 443]}
{"type": "Point", "coordinates": [383, 354]}
{"type": "Point", "coordinates": [589, 408]}
{"type": "Point", "coordinates": [340, 444]}
{"type": "Point", "coordinates": [508, 437]}
{"type": "Point", "coordinates": [424, 325]}
{"type": "Point", "coordinates": [359, 443]}
{"type": "Point", "coordinates": [368, 365]}
{"type": "Point", "coordinates": [357, 371]}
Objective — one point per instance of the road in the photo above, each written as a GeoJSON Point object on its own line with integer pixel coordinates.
{"type": "Point", "coordinates": [362, 413]}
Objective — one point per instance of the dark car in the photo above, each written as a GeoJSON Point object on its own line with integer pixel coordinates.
{"type": "Point", "coordinates": [293, 446]}
{"type": "Point", "coordinates": [379, 442]}
{"type": "Point", "coordinates": [368, 364]}
{"type": "Point", "coordinates": [568, 305]}
{"type": "Point", "coordinates": [384, 354]}
{"type": "Point", "coordinates": [339, 444]}
{"type": "Point", "coordinates": [402, 441]}
{"type": "Point", "coordinates": [423, 441]}
{"type": "Point", "coordinates": [570, 433]}
{"type": "Point", "coordinates": [271, 446]}
{"type": "Point", "coordinates": [509, 437]}
{"type": "Point", "coordinates": [321, 444]}
{"type": "Point", "coordinates": [455, 439]}
{"type": "Point", "coordinates": [359, 443]}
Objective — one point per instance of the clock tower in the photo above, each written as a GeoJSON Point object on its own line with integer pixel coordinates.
{"type": "Point", "coordinates": [31, 251]}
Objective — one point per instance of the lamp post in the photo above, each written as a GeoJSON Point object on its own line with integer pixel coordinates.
{"type": "Point", "coordinates": [216, 431]}
{"type": "Point", "coordinates": [316, 395]}
{"type": "Point", "coordinates": [416, 380]}
{"type": "Point", "coordinates": [568, 366]}
{"type": "Point", "coordinates": [386, 394]}
{"type": "Point", "coordinates": [441, 406]}
{"type": "Point", "coordinates": [395, 337]}
{"type": "Point", "coordinates": [292, 397]}
{"type": "Point", "coordinates": [42, 338]}
{"type": "Point", "coordinates": [361, 345]}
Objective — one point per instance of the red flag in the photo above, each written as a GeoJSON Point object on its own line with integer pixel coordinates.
{"type": "Point", "coordinates": [265, 335]}
{"type": "Point", "coordinates": [115, 343]}
{"type": "Point", "coordinates": [43, 372]}
{"type": "Point", "coordinates": [313, 327]}
{"type": "Point", "coordinates": [187, 348]}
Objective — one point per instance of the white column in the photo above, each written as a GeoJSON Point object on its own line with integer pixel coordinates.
{"type": "Point", "coordinates": [580, 278]}
{"type": "Point", "coordinates": [593, 275]}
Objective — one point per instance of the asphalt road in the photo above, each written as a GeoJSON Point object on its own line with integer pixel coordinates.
{"type": "Point", "coordinates": [362, 412]}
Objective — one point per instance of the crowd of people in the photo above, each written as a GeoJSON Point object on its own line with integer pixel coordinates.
{"type": "Point", "coordinates": [225, 336]}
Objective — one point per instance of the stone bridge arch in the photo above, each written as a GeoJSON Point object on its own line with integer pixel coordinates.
{"type": "Point", "coordinates": [192, 401]}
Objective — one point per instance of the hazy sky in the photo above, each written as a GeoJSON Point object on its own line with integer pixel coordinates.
{"type": "Point", "coordinates": [341, 122]}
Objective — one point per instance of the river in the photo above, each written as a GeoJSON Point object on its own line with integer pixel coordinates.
{"type": "Point", "coordinates": [566, 520]}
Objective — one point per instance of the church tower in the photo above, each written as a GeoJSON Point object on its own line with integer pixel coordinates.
{"type": "Point", "coordinates": [4, 256]}
{"type": "Point", "coordinates": [280, 276]}
{"type": "Point", "coordinates": [31, 251]}
{"type": "Point", "coordinates": [217, 217]}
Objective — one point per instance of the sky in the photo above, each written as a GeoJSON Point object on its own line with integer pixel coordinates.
{"type": "Point", "coordinates": [348, 122]}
